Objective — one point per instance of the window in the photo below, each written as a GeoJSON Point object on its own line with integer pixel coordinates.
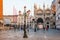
{"type": "Point", "coordinates": [59, 16]}
{"type": "Point", "coordinates": [33, 19]}
{"type": "Point", "coordinates": [47, 22]}
{"type": "Point", "coordinates": [53, 23]}
{"type": "Point", "coordinates": [54, 14]}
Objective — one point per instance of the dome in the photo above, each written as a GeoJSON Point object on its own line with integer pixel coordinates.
{"type": "Point", "coordinates": [47, 10]}
{"type": "Point", "coordinates": [40, 10]}
{"type": "Point", "coordinates": [53, 8]}
{"type": "Point", "coordinates": [35, 5]}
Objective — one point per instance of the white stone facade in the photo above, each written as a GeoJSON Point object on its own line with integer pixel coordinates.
{"type": "Point", "coordinates": [57, 3]}
{"type": "Point", "coordinates": [46, 15]}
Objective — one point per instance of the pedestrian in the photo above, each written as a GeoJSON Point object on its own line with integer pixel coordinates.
{"type": "Point", "coordinates": [47, 27]}
{"type": "Point", "coordinates": [44, 28]}
{"type": "Point", "coordinates": [35, 27]}
{"type": "Point", "coordinates": [27, 27]}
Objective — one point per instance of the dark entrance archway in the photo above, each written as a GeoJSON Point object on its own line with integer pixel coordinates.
{"type": "Point", "coordinates": [39, 20]}
{"type": "Point", "coordinates": [47, 22]}
{"type": "Point", "coordinates": [39, 23]}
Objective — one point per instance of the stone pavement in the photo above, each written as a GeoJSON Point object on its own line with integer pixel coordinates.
{"type": "Point", "coordinates": [39, 35]}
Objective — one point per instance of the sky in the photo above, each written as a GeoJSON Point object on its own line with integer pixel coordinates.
{"type": "Point", "coordinates": [19, 5]}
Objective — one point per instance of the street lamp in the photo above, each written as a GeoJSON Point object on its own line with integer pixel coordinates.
{"type": "Point", "coordinates": [25, 35]}
{"type": "Point", "coordinates": [34, 25]}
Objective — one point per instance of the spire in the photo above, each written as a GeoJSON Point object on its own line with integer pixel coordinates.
{"type": "Point", "coordinates": [24, 9]}
{"type": "Point", "coordinates": [44, 6]}
{"type": "Point", "coordinates": [35, 5]}
{"type": "Point", "coordinates": [47, 8]}
{"type": "Point", "coordinates": [14, 11]}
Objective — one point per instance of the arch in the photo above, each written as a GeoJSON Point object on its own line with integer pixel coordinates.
{"type": "Point", "coordinates": [39, 20]}
{"type": "Point", "coordinates": [47, 18]}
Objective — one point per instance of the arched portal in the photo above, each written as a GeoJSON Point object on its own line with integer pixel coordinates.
{"type": "Point", "coordinates": [39, 20]}
{"type": "Point", "coordinates": [40, 23]}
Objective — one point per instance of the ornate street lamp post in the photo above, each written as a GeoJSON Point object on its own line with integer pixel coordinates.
{"type": "Point", "coordinates": [25, 35]}
{"type": "Point", "coordinates": [34, 25]}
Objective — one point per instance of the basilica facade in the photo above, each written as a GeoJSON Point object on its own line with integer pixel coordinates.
{"type": "Point", "coordinates": [45, 16]}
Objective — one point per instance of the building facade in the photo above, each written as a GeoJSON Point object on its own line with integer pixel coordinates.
{"type": "Point", "coordinates": [57, 3]}
{"type": "Point", "coordinates": [17, 19]}
{"type": "Point", "coordinates": [44, 16]}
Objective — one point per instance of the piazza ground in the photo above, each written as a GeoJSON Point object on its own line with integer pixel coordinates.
{"type": "Point", "coordinates": [51, 34]}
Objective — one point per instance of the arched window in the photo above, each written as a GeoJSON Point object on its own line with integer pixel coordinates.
{"type": "Point", "coordinates": [53, 23]}
{"type": "Point", "coordinates": [47, 22]}
{"type": "Point", "coordinates": [33, 19]}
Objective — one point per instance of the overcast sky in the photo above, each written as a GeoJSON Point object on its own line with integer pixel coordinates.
{"type": "Point", "coordinates": [19, 5]}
